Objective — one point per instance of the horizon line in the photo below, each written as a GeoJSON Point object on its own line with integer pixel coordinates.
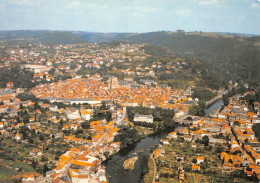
{"type": "Point", "coordinates": [99, 32]}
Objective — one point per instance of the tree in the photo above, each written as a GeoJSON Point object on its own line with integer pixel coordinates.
{"type": "Point", "coordinates": [41, 137]}
{"type": "Point", "coordinates": [61, 123]}
{"type": "Point", "coordinates": [220, 135]}
{"type": "Point", "coordinates": [225, 100]}
{"type": "Point", "coordinates": [256, 129]}
{"type": "Point", "coordinates": [237, 123]}
{"type": "Point", "coordinates": [106, 154]}
{"type": "Point", "coordinates": [24, 131]}
{"type": "Point", "coordinates": [237, 152]}
{"type": "Point", "coordinates": [205, 140]}
{"type": "Point", "coordinates": [20, 77]}
{"type": "Point", "coordinates": [108, 116]}
{"type": "Point", "coordinates": [193, 109]}
{"type": "Point", "coordinates": [198, 110]}
{"type": "Point", "coordinates": [219, 149]}
{"type": "Point", "coordinates": [204, 165]}
{"type": "Point", "coordinates": [45, 168]}
{"type": "Point", "coordinates": [168, 123]}
{"type": "Point", "coordinates": [127, 136]}
{"type": "Point", "coordinates": [85, 125]}
{"type": "Point", "coordinates": [194, 160]}
{"type": "Point", "coordinates": [21, 106]}
{"type": "Point", "coordinates": [25, 116]}
{"type": "Point", "coordinates": [34, 163]}
{"type": "Point", "coordinates": [43, 158]}
{"type": "Point", "coordinates": [202, 94]}
{"type": "Point", "coordinates": [78, 133]}
{"type": "Point", "coordinates": [51, 71]}
{"type": "Point", "coordinates": [36, 106]}
{"type": "Point", "coordinates": [210, 147]}
{"type": "Point", "coordinates": [103, 106]}
{"type": "Point", "coordinates": [18, 119]}
{"type": "Point", "coordinates": [27, 96]}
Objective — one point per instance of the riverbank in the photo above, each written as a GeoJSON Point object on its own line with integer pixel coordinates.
{"type": "Point", "coordinates": [141, 148]}
{"type": "Point", "coordinates": [157, 132]}
{"type": "Point", "coordinates": [213, 109]}
{"type": "Point", "coordinates": [213, 101]}
{"type": "Point", "coordinates": [114, 165]}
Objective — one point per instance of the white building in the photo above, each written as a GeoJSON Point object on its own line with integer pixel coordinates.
{"type": "Point", "coordinates": [37, 68]}
{"type": "Point", "coordinates": [85, 115]}
{"type": "Point", "coordinates": [72, 113]}
{"type": "Point", "coordinates": [143, 118]}
{"type": "Point", "coordinates": [90, 101]}
{"type": "Point", "coordinates": [79, 176]}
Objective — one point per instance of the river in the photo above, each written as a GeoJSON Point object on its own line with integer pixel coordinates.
{"type": "Point", "coordinates": [214, 108]}
{"type": "Point", "coordinates": [114, 166]}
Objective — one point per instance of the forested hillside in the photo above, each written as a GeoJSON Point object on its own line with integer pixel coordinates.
{"type": "Point", "coordinates": [234, 57]}
{"type": "Point", "coordinates": [46, 37]}
{"type": "Point", "coordinates": [21, 78]}
{"type": "Point", "coordinates": [61, 38]}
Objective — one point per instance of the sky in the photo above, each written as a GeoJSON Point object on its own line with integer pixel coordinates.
{"type": "Point", "coordinates": [240, 16]}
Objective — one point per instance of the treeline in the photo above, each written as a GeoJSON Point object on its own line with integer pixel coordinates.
{"type": "Point", "coordinates": [20, 77]}
{"type": "Point", "coordinates": [256, 129]}
{"type": "Point", "coordinates": [202, 94]}
{"type": "Point", "coordinates": [164, 116]}
{"type": "Point", "coordinates": [127, 136]}
{"type": "Point", "coordinates": [240, 90]}
{"type": "Point", "coordinates": [158, 113]}
{"type": "Point", "coordinates": [47, 37]}
{"type": "Point", "coordinates": [30, 96]}
{"type": "Point", "coordinates": [234, 57]}
{"type": "Point", "coordinates": [61, 38]}
{"type": "Point", "coordinates": [157, 51]}
{"type": "Point", "coordinates": [198, 109]}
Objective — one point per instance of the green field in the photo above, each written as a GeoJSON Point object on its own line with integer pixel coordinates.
{"type": "Point", "coordinates": [7, 169]}
{"type": "Point", "coordinates": [5, 173]}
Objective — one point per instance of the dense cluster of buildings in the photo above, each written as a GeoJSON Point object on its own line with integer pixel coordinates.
{"type": "Point", "coordinates": [95, 92]}
{"type": "Point", "coordinates": [231, 129]}
{"type": "Point", "coordinates": [82, 162]}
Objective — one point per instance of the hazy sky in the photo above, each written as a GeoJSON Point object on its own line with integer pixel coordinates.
{"type": "Point", "coordinates": [241, 16]}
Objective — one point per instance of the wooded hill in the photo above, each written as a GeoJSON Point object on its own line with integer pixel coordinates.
{"type": "Point", "coordinates": [46, 37]}
{"type": "Point", "coordinates": [236, 58]}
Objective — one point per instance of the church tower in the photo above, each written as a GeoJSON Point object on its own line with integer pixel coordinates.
{"type": "Point", "coordinates": [113, 83]}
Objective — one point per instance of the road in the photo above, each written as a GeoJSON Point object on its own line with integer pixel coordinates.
{"type": "Point", "coordinates": [154, 168]}
{"type": "Point", "coordinates": [120, 119]}
{"type": "Point", "coordinates": [93, 145]}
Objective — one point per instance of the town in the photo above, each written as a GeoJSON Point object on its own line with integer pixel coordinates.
{"type": "Point", "coordinates": [67, 109]}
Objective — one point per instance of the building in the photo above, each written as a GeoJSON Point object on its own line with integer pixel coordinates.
{"type": "Point", "coordinates": [147, 81]}
{"type": "Point", "coordinates": [79, 176]}
{"type": "Point", "coordinates": [124, 84]}
{"type": "Point", "coordinates": [37, 68]}
{"type": "Point", "coordinates": [85, 115]}
{"type": "Point", "coordinates": [9, 85]}
{"type": "Point", "coordinates": [113, 83]}
{"type": "Point", "coordinates": [49, 63]}
{"type": "Point", "coordinates": [143, 118]}
{"type": "Point", "coordinates": [28, 178]}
